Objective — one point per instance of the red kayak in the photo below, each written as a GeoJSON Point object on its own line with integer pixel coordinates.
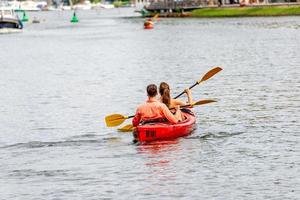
{"type": "Point", "coordinates": [148, 25]}
{"type": "Point", "coordinates": [164, 130]}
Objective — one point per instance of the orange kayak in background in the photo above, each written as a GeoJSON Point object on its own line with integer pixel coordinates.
{"type": "Point", "coordinates": [148, 25]}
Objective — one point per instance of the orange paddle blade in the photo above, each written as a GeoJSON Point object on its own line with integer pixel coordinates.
{"type": "Point", "coordinates": [209, 74]}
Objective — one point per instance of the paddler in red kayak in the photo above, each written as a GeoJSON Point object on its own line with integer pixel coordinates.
{"type": "Point", "coordinates": [148, 24]}
{"type": "Point", "coordinates": [165, 97]}
{"type": "Point", "coordinates": [153, 110]}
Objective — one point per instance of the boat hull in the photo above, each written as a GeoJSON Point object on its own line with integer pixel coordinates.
{"type": "Point", "coordinates": [10, 30]}
{"type": "Point", "coordinates": [10, 23]}
{"type": "Point", "coordinates": [9, 19]}
{"type": "Point", "coordinates": [164, 130]}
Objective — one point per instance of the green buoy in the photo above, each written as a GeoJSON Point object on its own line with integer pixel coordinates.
{"type": "Point", "coordinates": [25, 17]}
{"type": "Point", "coordinates": [74, 18]}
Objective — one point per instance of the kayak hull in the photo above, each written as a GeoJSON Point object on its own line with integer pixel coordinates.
{"type": "Point", "coordinates": [164, 130]}
{"type": "Point", "coordinates": [148, 27]}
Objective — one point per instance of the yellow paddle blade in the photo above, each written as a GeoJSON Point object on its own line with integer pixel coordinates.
{"type": "Point", "coordinates": [155, 16]}
{"type": "Point", "coordinates": [197, 103]}
{"type": "Point", "coordinates": [114, 120]}
{"type": "Point", "coordinates": [209, 74]}
{"type": "Point", "coordinates": [203, 102]}
{"type": "Point", "coordinates": [126, 128]}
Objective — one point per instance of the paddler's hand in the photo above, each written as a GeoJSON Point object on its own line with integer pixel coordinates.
{"type": "Point", "coordinates": [178, 114]}
{"type": "Point", "coordinates": [189, 95]}
{"type": "Point", "coordinates": [187, 91]}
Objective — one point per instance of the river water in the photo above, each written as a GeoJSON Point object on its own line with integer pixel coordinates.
{"type": "Point", "coordinates": [59, 80]}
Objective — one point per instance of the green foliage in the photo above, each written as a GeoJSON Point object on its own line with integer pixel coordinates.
{"type": "Point", "coordinates": [246, 11]}
{"type": "Point", "coordinates": [95, 1]}
{"type": "Point", "coordinates": [75, 1]}
{"type": "Point", "coordinates": [117, 4]}
{"type": "Point", "coordinates": [121, 3]}
{"type": "Point", "coordinates": [178, 10]}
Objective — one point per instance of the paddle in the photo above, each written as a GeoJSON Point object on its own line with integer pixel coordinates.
{"type": "Point", "coordinates": [117, 119]}
{"type": "Point", "coordinates": [129, 127]}
{"type": "Point", "coordinates": [155, 17]}
{"type": "Point", "coordinates": [197, 103]}
{"type": "Point", "coordinates": [207, 76]}
{"type": "Point", "coordinates": [126, 128]}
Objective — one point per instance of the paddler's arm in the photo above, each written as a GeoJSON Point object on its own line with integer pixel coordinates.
{"type": "Point", "coordinates": [189, 95]}
{"type": "Point", "coordinates": [137, 118]}
{"type": "Point", "coordinates": [170, 117]}
{"type": "Point", "coordinates": [178, 102]}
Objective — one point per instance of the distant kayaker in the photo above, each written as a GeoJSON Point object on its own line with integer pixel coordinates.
{"type": "Point", "coordinates": [153, 110]}
{"type": "Point", "coordinates": [165, 97]}
{"type": "Point", "coordinates": [148, 24]}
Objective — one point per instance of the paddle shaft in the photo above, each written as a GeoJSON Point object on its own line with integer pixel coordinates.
{"type": "Point", "coordinates": [184, 91]}
{"type": "Point", "coordinates": [131, 116]}
{"type": "Point", "coordinates": [116, 119]}
{"type": "Point", "coordinates": [207, 76]}
{"type": "Point", "coordinates": [197, 103]}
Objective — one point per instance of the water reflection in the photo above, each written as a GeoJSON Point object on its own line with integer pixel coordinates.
{"type": "Point", "coordinates": [158, 152]}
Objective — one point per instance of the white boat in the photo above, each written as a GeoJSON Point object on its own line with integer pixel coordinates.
{"type": "Point", "coordinates": [66, 8]}
{"type": "Point", "coordinates": [9, 30]}
{"type": "Point", "coordinates": [9, 20]}
{"type": "Point", "coordinates": [41, 5]}
{"type": "Point", "coordinates": [83, 6]}
{"type": "Point", "coordinates": [14, 4]}
{"type": "Point", "coordinates": [105, 6]}
{"type": "Point", "coordinates": [30, 6]}
{"type": "Point", "coordinates": [58, 8]}
{"type": "Point", "coordinates": [27, 5]}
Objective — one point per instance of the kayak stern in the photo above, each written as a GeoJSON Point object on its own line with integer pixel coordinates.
{"type": "Point", "coordinates": [165, 130]}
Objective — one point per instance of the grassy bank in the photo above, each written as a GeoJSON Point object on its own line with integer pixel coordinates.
{"type": "Point", "coordinates": [246, 11]}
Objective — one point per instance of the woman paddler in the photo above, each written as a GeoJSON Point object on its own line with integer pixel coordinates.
{"type": "Point", "coordinates": [164, 91]}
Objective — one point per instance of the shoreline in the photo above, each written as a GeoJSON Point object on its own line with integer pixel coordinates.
{"type": "Point", "coordinates": [235, 11]}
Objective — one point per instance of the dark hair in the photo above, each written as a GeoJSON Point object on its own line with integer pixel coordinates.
{"type": "Point", "coordinates": [152, 90]}
{"type": "Point", "coordinates": [164, 91]}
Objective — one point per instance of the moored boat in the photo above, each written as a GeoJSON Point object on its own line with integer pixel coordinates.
{"type": "Point", "coordinates": [164, 130]}
{"type": "Point", "coordinates": [86, 5]}
{"type": "Point", "coordinates": [101, 5]}
{"type": "Point", "coordinates": [9, 20]}
{"type": "Point", "coordinates": [27, 5]}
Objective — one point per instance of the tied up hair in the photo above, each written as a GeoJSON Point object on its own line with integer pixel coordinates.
{"type": "Point", "coordinates": [164, 91]}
